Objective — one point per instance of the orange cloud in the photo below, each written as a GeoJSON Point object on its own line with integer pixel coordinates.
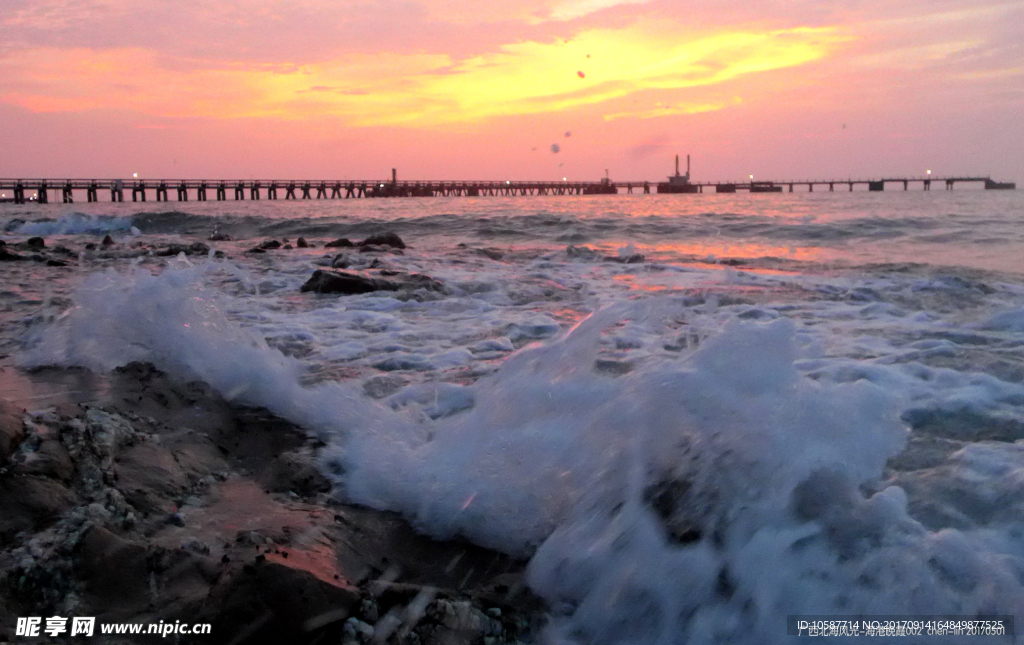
{"type": "Point", "coordinates": [415, 90]}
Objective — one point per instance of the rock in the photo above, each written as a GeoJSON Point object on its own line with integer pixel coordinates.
{"type": "Point", "coordinates": [340, 242]}
{"type": "Point", "coordinates": [340, 261]}
{"type": "Point", "coordinates": [31, 503]}
{"type": "Point", "coordinates": [56, 263]}
{"type": "Point", "coordinates": [7, 256]}
{"type": "Point", "coordinates": [302, 243]}
{"type": "Point", "coordinates": [12, 431]}
{"type": "Point", "coordinates": [50, 459]}
{"type": "Point", "coordinates": [107, 240]}
{"type": "Point", "coordinates": [270, 244]}
{"type": "Point", "coordinates": [296, 472]}
{"type": "Point", "coordinates": [256, 249]}
{"type": "Point", "coordinates": [289, 606]}
{"type": "Point", "coordinates": [491, 253]}
{"type": "Point", "coordinates": [287, 247]}
{"type": "Point", "coordinates": [353, 283]}
{"type": "Point", "coordinates": [127, 579]}
{"type": "Point", "coordinates": [388, 238]}
{"type": "Point", "coordinates": [217, 236]}
{"type": "Point", "coordinates": [196, 248]}
{"type": "Point", "coordinates": [90, 247]}
{"type": "Point", "coordinates": [345, 283]}
{"type": "Point", "coordinates": [35, 243]}
{"type": "Point", "coordinates": [635, 258]}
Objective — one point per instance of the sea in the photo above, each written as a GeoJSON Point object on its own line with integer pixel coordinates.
{"type": "Point", "coordinates": [699, 417]}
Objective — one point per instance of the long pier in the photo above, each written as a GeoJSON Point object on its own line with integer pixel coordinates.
{"type": "Point", "coordinates": [39, 190]}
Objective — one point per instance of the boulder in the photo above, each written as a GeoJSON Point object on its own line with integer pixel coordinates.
{"type": "Point", "coordinates": [11, 431]}
{"type": "Point", "coordinates": [196, 248]}
{"type": "Point", "coordinates": [302, 243]}
{"type": "Point", "coordinates": [346, 283]}
{"type": "Point", "coordinates": [388, 238]}
{"type": "Point", "coordinates": [107, 240]}
{"type": "Point", "coordinates": [268, 602]}
{"type": "Point", "coordinates": [35, 243]}
{"type": "Point", "coordinates": [340, 242]}
{"type": "Point", "coordinates": [7, 256]}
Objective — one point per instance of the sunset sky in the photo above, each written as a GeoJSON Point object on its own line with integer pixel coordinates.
{"type": "Point", "coordinates": [463, 89]}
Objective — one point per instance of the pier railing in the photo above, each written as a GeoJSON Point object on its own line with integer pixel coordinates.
{"type": "Point", "coordinates": [39, 190]}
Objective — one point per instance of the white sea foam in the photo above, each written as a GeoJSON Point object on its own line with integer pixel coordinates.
{"type": "Point", "coordinates": [701, 497]}
{"type": "Point", "coordinates": [74, 224]}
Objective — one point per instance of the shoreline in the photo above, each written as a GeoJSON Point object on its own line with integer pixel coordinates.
{"type": "Point", "coordinates": [160, 501]}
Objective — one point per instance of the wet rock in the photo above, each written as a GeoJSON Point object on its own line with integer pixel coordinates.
{"type": "Point", "coordinates": [285, 605]}
{"type": "Point", "coordinates": [270, 244]}
{"type": "Point", "coordinates": [346, 283]}
{"type": "Point", "coordinates": [196, 248]}
{"type": "Point", "coordinates": [338, 243]}
{"type": "Point", "coordinates": [340, 261]}
{"type": "Point", "coordinates": [49, 459]}
{"type": "Point", "coordinates": [56, 263]}
{"type": "Point", "coordinates": [90, 247]}
{"type": "Point", "coordinates": [217, 236]}
{"type": "Point", "coordinates": [35, 243]}
{"type": "Point", "coordinates": [493, 254]}
{"type": "Point", "coordinates": [295, 471]}
{"type": "Point", "coordinates": [12, 431]}
{"type": "Point", "coordinates": [128, 579]}
{"type": "Point", "coordinates": [107, 240]}
{"type": "Point", "coordinates": [583, 252]}
{"type": "Point", "coordinates": [287, 247]}
{"type": "Point", "coordinates": [30, 503]}
{"type": "Point", "coordinates": [256, 249]}
{"type": "Point", "coordinates": [7, 256]}
{"type": "Point", "coordinates": [302, 243]}
{"type": "Point", "coordinates": [388, 238]}
{"type": "Point", "coordinates": [634, 258]}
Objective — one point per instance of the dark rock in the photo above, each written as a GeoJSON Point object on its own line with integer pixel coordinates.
{"type": "Point", "coordinates": [7, 256]}
{"type": "Point", "coordinates": [353, 283]}
{"type": "Point", "coordinates": [388, 238]}
{"type": "Point", "coordinates": [35, 243]}
{"type": "Point", "coordinates": [636, 258]}
{"type": "Point", "coordinates": [31, 503]}
{"type": "Point", "coordinates": [287, 247]}
{"type": "Point", "coordinates": [90, 247]}
{"type": "Point", "coordinates": [124, 579]}
{"type": "Point", "coordinates": [295, 472]}
{"type": "Point", "coordinates": [272, 603]}
{"type": "Point", "coordinates": [107, 240]}
{"type": "Point", "coordinates": [302, 243]}
{"type": "Point", "coordinates": [56, 263]}
{"type": "Point", "coordinates": [340, 261]}
{"type": "Point", "coordinates": [11, 431]}
{"type": "Point", "coordinates": [340, 242]}
{"type": "Point", "coordinates": [50, 459]}
{"type": "Point", "coordinates": [346, 283]}
{"type": "Point", "coordinates": [270, 244]}
{"type": "Point", "coordinates": [491, 253]}
{"type": "Point", "coordinates": [63, 250]}
{"type": "Point", "coordinates": [196, 248]}
{"type": "Point", "coordinates": [217, 236]}
{"type": "Point", "coordinates": [256, 249]}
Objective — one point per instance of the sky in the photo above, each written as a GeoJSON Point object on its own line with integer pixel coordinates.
{"type": "Point", "coordinates": [488, 89]}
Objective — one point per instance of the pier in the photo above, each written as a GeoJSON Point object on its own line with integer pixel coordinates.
{"type": "Point", "coordinates": [41, 191]}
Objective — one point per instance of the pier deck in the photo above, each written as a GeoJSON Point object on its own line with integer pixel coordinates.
{"type": "Point", "coordinates": [40, 190]}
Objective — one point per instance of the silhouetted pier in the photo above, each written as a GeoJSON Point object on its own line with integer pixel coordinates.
{"type": "Point", "coordinates": [64, 190]}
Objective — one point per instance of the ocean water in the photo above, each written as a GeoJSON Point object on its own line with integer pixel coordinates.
{"type": "Point", "coordinates": [796, 404]}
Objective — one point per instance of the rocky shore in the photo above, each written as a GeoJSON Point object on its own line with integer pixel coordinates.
{"type": "Point", "coordinates": [165, 502]}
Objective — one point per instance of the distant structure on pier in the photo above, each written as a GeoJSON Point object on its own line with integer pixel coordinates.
{"type": "Point", "coordinates": [679, 183]}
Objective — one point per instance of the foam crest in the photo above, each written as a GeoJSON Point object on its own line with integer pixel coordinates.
{"type": "Point", "coordinates": [72, 224]}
